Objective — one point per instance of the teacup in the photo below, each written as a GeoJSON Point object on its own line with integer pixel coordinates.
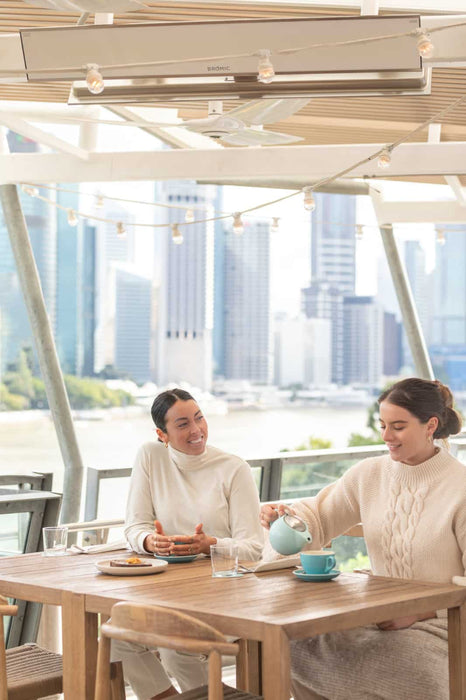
{"type": "Point", "coordinates": [318, 562]}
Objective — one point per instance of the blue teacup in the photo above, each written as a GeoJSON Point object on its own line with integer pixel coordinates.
{"type": "Point", "coordinates": [318, 562]}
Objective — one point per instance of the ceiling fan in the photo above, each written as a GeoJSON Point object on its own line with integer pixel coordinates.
{"type": "Point", "coordinates": [242, 126]}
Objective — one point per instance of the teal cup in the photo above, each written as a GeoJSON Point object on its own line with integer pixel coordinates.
{"type": "Point", "coordinates": [320, 561]}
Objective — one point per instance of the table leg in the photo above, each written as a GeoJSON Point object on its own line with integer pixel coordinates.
{"type": "Point", "coordinates": [248, 674]}
{"type": "Point", "coordinates": [457, 652]}
{"type": "Point", "coordinates": [79, 648]}
{"type": "Point", "coordinates": [275, 665]}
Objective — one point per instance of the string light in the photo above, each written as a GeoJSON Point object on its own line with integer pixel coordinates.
{"type": "Point", "coordinates": [359, 232]}
{"type": "Point", "coordinates": [309, 201]}
{"type": "Point", "coordinates": [265, 71]}
{"type": "Point", "coordinates": [177, 236]}
{"type": "Point", "coordinates": [189, 216]}
{"type": "Point", "coordinates": [120, 230]}
{"type": "Point", "coordinates": [99, 201]}
{"type": "Point", "coordinates": [94, 80]}
{"type": "Point", "coordinates": [385, 158]}
{"type": "Point", "coordinates": [424, 45]}
{"type": "Point", "coordinates": [275, 224]}
{"type": "Point", "coordinates": [30, 190]}
{"type": "Point", "coordinates": [238, 227]}
{"type": "Point", "coordinates": [441, 240]}
{"type": "Point", "coordinates": [72, 218]}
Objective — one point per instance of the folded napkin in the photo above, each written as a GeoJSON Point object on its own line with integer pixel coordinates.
{"type": "Point", "coordinates": [97, 548]}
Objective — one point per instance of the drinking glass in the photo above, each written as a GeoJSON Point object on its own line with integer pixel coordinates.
{"type": "Point", "coordinates": [55, 539]}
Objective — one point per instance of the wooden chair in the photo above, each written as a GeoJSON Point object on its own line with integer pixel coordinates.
{"type": "Point", "coordinates": [157, 626]}
{"type": "Point", "coordinates": [29, 672]}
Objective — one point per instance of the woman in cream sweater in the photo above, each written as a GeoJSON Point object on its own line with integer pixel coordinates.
{"type": "Point", "coordinates": [185, 491]}
{"type": "Point", "coordinates": [412, 505]}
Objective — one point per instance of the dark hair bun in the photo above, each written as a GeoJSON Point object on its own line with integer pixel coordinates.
{"type": "Point", "coordinates": [450, 425]}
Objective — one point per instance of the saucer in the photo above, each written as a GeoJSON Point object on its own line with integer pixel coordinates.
{"type": "Point", "coordinates": [177, 559]}
{"type": "Point", "coordinates": [299, 573]}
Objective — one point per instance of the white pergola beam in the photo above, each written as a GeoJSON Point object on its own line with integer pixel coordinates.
{"type": "Point", "coordinates": [437, 211]}
{"type": "Point", "coordinates": [311, 163]}
{"type": "Point", "coordinates": [20, 126]}
{"type": "Point", "coordinates": [457, 188]}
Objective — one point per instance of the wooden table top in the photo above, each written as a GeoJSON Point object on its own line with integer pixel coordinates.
{"type": "Point", "coordinates": [243, 606]}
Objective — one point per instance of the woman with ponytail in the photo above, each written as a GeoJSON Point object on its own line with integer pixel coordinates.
{"type": "Point", "coordinates": [412, 505]}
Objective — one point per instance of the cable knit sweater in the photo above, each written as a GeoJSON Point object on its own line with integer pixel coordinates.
{"type": "Point", "coordinates": [180, 490]}
{"type": "Point", "coordinates": [414, 517]}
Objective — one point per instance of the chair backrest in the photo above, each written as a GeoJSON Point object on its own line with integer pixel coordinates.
{"type": "Point", "coordinates": [157, 626]}
{"type": "Point", "coordinates": [5, 611]}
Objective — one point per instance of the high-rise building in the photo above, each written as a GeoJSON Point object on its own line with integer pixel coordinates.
{"type": "Point", "coordinates": [415, 261]}
{"type": "Point", "coordinates": [448, 340]}
{"type": "Point", "coordinates": [363, 341]}
{"type": "Point", "coordinates": [333, 268]}
{"type": "Point", "coordinates": [110, 248]}
{"type": "Point", "coordinates": [185, 277]}
{"type": "Point", "coordinates": [134, 322]}
{"type": "Point", "coordinates": [302, 351]}
{"type": "Point", "coordinates": [248, 328]}
{"type": "Point", "coordinates": [392, 346]}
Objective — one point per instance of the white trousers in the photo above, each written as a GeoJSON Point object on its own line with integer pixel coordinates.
{"type": "Point", "coordinates": [148, 676]}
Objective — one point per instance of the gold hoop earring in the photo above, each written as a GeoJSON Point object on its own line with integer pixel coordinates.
{"type": "Point", "coordinates": [166, 445]}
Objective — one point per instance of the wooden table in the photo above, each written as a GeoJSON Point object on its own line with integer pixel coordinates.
{"type": "Point", "coordinates": [272, 608]}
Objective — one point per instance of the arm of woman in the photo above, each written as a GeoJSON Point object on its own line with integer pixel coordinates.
{"type": "Point", "coordinates": [244, 509]}
{"type": "Point", "coordinates": [140, 511]}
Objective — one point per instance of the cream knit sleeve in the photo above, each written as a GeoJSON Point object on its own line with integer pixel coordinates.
{"type": "Point", "coordinates": [140, 513]}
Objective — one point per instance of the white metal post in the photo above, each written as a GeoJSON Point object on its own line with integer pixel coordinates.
{"type": "Point", "coordinates": [407, 307]}
{"type": "Point", "coordinates": [46, 351]}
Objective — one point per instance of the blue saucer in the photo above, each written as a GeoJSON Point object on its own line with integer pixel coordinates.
{"type": "Point", "coordinates": [299, 573]}
{"type": "Point", "coordinates": [175, 559]}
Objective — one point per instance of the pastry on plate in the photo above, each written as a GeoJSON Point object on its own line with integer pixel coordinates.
{"type": "Point", "coordinates": [132, 561]}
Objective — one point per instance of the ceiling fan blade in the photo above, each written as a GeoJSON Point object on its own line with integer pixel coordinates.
{"type": "Point", "coordinates": [268, 111]}
{"type": "Point", "coordinates": [256, 137]}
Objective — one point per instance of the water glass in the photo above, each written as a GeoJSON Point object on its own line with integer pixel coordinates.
{"type": "Point", "coordinates": [224, 558]}
{"type": "Point", "coordinates": [55, 539]}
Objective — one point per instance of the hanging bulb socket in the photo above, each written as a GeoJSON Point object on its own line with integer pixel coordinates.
{"type": "Point", "coordinates": [275, 224]}
{"type": "Point", "coordinates": [177, 236]}
{"type": "Point", "coordinates": [94, 80]}
{"type": "Point", "coordinates": [359, 232]}
{"type": "Point", "coordinates": [99, 202]}
{"type": "Point", "coordinates": [384, 158]}
{"type": "Point", "coordinates": [441, 240]}
{"type": "Point", "coordinates": [238, 228]}
{"type": "Point", "coordinates": [309, 201]}
{"type": "Point", "coordinates": [72, 218]}
{"type": "Point", "coordinates": [120, 230]}
{"type": "Point", "coordinates": [265, 71]}
{"type": "Point", "coordinates": [189, 216]}
{"type": "Point", "coordinates": [424, 44]}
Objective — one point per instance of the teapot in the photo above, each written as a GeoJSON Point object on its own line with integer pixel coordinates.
{"type": "Point", "coordinates": [288, 534]}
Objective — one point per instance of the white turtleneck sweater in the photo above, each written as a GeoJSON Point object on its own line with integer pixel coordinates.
{"type": "Point", "coordinates": [414, 517]}
{"type": "Point", "coordinates": [180, 490]}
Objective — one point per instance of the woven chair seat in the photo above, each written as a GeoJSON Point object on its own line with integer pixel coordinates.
{"type": "Point", "coordinates": [33, 672]}
{"type": "Point", "coordinates": [202, 692]}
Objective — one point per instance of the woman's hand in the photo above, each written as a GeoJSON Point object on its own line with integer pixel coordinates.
{"type": "Point", "coordinates": [199, 543]}
{"type": "Point", "coordinates": [401, 623]}
{"type": "Point", "coordinates": [272, 511]}
{"type": "Point", "coordinates": [158, 542]}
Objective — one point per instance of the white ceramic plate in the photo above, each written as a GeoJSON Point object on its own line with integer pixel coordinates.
{"type": "Point", "coordinates": [156, 567]}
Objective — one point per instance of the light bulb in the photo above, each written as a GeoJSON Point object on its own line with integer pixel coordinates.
{"type": "Point", "coordinates": [384, 159]}
{"type": "Point", "coordinates": [177, 236]}
{"type": "Point", "coordinates": [441, 240]}
{"type": "Point", "coordinates": [424, 45]}
{"type": "Point", "coordinates": [94, 81]}
{"type": "Point", "coordinates": [309, 201]}
{"type": "Point", "coordinates": [72, 218]}
{"type": "Point", "coordinates": [189, 216]}
{"type": "Point", "coordinates": [359, 232]}
{"type": "Point", "coordinates": [99, 203]}
{"type": "Point", "coordinates": [120, 230]}
{"type": "Point", "coordinates": [265, 71]}
{"type": "Point", "coordinates": [30, 190]}
{"type": "Point", "coordinates": [275, 224]}
{"type": "Point", "coordinates": [238, 227]}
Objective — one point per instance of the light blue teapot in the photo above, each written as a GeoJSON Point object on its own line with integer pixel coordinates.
{"type": "Point", "coordinates": [289, 534]}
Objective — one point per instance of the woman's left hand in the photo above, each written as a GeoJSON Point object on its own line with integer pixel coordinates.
{"type": "Point", "coordinates": [401, 623]}
{"type": "Point", "coordinates": [199, 543]}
